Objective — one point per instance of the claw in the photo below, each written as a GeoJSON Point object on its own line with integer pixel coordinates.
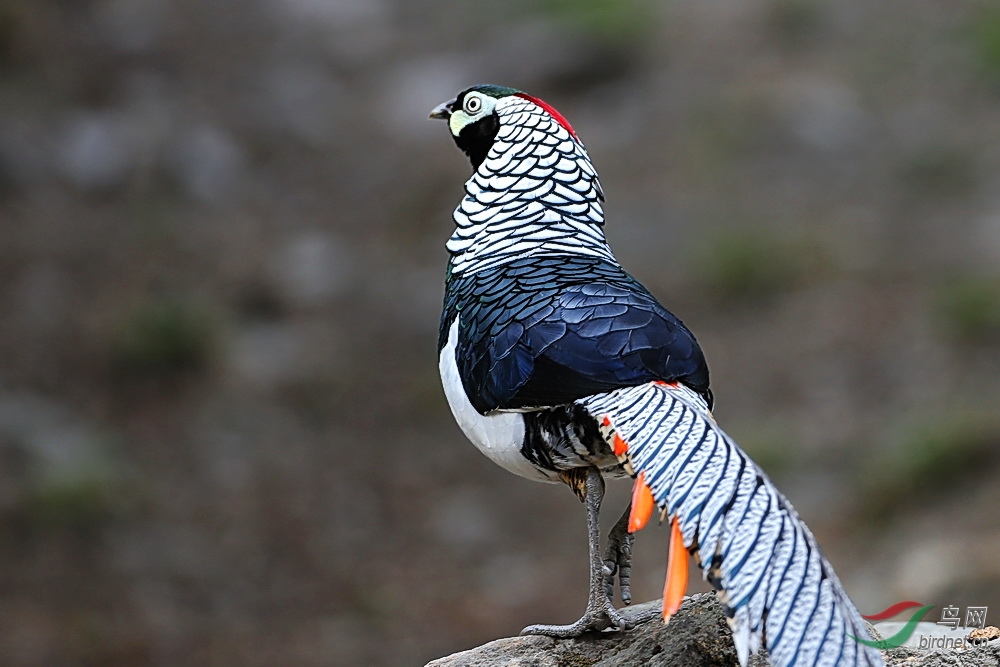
{"type": "Point", "coordinates": [618, 559]}
{"type": "Point", "coordinates": [625, 570]}
{"type": "Point", "coordinates": [594, 620]}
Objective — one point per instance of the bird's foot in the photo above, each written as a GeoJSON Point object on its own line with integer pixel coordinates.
{"type": "Point", "coordinates": [600, 615]}
{"type": "Point", "coordinates": [618, 560]}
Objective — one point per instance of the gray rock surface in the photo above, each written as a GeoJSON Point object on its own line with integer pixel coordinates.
{"type": "Point", "coordinates": [986, 656]}
{"type": "Point", "coordinates": [697, 635]}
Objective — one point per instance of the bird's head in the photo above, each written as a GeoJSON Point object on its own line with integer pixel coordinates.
{"type": "Point", "coordinates": [473, 119]}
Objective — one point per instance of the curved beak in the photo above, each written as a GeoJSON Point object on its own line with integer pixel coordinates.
{"type": "Point", "coordinates": [443, 110]}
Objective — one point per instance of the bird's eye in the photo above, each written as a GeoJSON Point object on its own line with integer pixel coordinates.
{"type": "Point", "coordinates": [473, 104]}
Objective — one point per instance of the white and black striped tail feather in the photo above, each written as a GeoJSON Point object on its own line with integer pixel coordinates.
{"type": "Point", "coordinates": [776, 585]}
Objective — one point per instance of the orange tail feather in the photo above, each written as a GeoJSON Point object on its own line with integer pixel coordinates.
{"type": "Point", "coordinates": [677, 573]}
{"type": "Point", "coordinates": [642, 504]}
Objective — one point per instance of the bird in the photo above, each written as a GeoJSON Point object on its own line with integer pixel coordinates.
{"type": "Point", "coordinates": [561, 367]}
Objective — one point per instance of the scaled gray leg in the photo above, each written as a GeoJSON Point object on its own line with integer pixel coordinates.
{"type": "Point", "coordinates": [600, 613]}
{"type": "Point", "coordinates": [618, 558]}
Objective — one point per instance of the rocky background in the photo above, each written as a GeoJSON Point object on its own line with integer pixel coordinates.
{"type": "Point", "coordinates": [222, 438]}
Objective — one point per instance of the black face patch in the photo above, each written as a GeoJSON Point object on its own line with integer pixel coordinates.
{"type": "Point", "coordinates": [476, 139]}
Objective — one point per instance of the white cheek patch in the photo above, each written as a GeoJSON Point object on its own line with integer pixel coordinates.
{"type": "Point", "coordinates": [458, 120]}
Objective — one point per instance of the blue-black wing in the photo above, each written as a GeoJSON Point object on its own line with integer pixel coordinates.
{"type": "Point", "coordinates": [547, 331]}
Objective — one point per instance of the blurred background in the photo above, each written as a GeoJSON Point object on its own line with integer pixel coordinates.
{"type": "Point", "coordinates": [222, 436]}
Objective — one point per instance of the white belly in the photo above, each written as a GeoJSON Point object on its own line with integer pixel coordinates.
{"type": "Point", "coordinates": [498, 435]}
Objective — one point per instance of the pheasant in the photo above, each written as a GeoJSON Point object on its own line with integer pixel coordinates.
{"type": "Point", "coordinates": [561, 367]}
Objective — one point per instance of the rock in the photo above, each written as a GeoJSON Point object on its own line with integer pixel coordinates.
{"type": "Point", "coordinates": [983, 635]}
{"type": "Point", "coordinates": [697, 635]}
{"type": "Point", "coordinates": [986, 656]}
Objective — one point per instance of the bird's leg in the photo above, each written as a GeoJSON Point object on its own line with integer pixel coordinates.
{"type": "Point", "coordinates": [618, 558]}
{"type": "Point", "coordinates": [600, 613]}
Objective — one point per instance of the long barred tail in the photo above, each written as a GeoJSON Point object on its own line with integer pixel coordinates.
{"type": "Point", "coordinates": [749, 542]}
